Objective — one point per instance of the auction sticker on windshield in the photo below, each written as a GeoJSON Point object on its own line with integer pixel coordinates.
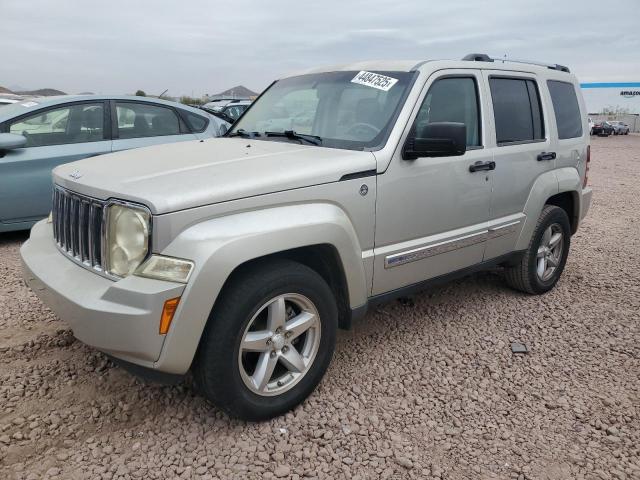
{"type": "Point", "coordinates": [374, 80]}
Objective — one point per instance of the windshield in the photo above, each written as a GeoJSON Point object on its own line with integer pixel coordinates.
{"type": "Point", "coordinates": [351, 110]}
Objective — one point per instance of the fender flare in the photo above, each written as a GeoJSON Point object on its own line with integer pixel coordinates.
{"type": "Point", "coordinates": [219, 245]}
{"type": "Point", "coordinates": [547, 185]}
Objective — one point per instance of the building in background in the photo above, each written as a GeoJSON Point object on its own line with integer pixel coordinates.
{"type": "Point", "coordinates": [239, 92]}
{"type": "Point", "coordinates": [614, 101]}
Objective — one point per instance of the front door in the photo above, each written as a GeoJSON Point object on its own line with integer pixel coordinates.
{"type": "Point", "coordinates": [432, 212]}
{"type": "Point", "coordinates": [57, 135]}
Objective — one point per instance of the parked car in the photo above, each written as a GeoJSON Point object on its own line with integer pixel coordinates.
{"type": "Point", "coordinates": [227, 111]}
{"type": "Point", "coordinates": [602, 128]}
{"type": "Point", "coordinates": [266, 241]}
{"type": "Point", "coordinates": [620, 128]}
{"type": "Point", "coordinates": [7, 101]}
{"type": "Point", "coordinates": [38, 135]}
{"type": "Point", "coordinates": [591, 124]}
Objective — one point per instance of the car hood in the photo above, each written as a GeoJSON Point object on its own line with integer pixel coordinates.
{"type": "Point", "coordinates": [178, 176]}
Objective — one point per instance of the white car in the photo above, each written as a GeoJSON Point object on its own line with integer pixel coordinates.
{"type": "Point", "coordinates": [229, 110]}
{"type": "Point", "coordinates": [7, 101]}
{"type": "Point", "coordinates": [591, 124]}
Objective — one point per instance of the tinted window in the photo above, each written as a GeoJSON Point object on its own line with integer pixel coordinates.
{"type": "Point", "coordinates": [516, 107]}
{"type": "Point", "coordinates": [566, 109]}
{"type": "Point", "coordinates": [60, 126]}
{"type": "Point", "coordinates": [198, 123]}
{"type": "Point", "coordinates": [137, 120]}
{"type": "Point", "coordinates": [453, 100]}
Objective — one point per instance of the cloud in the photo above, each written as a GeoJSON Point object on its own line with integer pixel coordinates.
{"type": "Point", "coordinates": [204, 47]}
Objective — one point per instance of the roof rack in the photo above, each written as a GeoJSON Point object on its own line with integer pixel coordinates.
{"type": "Point", "coordinates": [483, 57]}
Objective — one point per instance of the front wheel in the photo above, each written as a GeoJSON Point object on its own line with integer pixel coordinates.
{"type": "Point", "coordinates": [542, 263]}
{"type": "Point", "coordinates": [268, 342]}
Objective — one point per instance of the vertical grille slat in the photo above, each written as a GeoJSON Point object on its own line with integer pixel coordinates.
{"type": "Point", "coordinates": [77, 226]}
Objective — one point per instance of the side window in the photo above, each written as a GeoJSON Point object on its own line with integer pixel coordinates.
{"type": "Point", "coordinates": [198, 123]}
{"type": "Point", "coordinates": [517, 111]}
{"type": "Point", "coordinates": [453, 99]}
{"type": "Point", "coordinates": [137, 120]}
{"type": "Point", "coordinates": [66, 125]}
{"type": "Point", "coordinates": [566, 109]}
{"type": "Point", "coordinates": [235, 111]}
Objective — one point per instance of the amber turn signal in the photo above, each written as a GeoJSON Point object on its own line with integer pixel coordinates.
{"type": "Point", "coordinates": [168, 311]}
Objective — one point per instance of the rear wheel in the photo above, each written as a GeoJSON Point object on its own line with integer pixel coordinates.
{"type": "Point", "coordinates": [543, 262]}
{"type": "Point", "coordinates": [268, 342]}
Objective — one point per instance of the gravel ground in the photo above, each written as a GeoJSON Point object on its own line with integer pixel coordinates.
{"type": "Point", "coordinates": [425, 389]}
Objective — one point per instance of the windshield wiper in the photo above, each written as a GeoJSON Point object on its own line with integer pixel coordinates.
{"type": "Point", "coordinates": [312, 139]}
{"type": "Point", "coordinates": [243, 133]}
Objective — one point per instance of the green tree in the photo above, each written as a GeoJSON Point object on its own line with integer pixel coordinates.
{"type": "Point", "coordinates": [140, 93]}
{"type": "Point", "coordinates": [187, 100]}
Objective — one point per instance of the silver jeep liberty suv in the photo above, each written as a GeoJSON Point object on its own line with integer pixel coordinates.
{"type": "Point", "coordinates": [237, 258]}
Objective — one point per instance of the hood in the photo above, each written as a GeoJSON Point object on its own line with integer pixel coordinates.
{"type": "Point", "coordinates": [184, 175]}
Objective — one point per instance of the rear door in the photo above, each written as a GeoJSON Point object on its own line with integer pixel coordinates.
{"type": "Point", "coordinates": [56, 135]}
{"type": "Point", "coordinates": [522, 150]}
{"type": "Point", "coordinates": [141, 124]}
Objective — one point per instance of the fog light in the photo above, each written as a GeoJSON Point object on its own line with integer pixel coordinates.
{"type": "Point", "coordinates": [169, 269]}
{"type": "Point", "coordinates": [169, 309]}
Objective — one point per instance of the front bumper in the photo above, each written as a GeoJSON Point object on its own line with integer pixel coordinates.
{"type": "Point", "coordinates": [120, 318]}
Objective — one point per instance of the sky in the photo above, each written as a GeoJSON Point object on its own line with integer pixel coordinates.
{"type": "Point", "coordinates": [196, 47]}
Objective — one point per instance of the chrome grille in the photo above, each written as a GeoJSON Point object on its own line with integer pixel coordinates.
{"type": "Point", "coordinates": [77, 226]}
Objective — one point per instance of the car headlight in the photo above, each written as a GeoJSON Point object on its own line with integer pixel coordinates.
{"type": "Point", "coordinates": [128, 228]}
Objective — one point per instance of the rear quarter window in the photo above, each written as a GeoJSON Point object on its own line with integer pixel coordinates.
{"type": "Point", "coordinates": [196, 122]}
{"type": "Point", "coordinates": [566, 109]}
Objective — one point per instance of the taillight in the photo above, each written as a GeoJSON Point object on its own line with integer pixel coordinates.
{"type": "Point", "coordinates": [586, 167]}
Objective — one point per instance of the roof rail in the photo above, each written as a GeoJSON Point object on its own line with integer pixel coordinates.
{"type": "Point", "coordinates": [483, 57]}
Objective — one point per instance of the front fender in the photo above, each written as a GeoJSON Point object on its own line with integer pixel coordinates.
{"type": "Point", "coordinates": [218, 246]}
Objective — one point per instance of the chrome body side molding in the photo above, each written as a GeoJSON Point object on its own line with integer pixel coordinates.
{"type": "Point", "coordinates": [446, 246]}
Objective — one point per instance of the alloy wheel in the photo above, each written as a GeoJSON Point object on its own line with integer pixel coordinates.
{"type": "Point", "coordinates": [549, 252]}
{"type": "Point", "coordinates": [279, 344]}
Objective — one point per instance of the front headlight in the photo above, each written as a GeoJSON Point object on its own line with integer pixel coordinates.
{"type": "Point", "coordinates": [128, 228]}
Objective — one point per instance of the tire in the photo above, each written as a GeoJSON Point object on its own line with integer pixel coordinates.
{"type": "Point", "coordinates": [525, 275]}
{"type": "Point", "coordinates": [222, 370]}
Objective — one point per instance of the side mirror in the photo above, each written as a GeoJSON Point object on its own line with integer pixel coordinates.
{"type": "Point", "coordinates": [11, 141]}
{"type": "Point", "coordinates": [438, 139]}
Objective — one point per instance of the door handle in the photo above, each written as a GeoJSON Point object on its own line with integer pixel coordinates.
{"type": "Point", "coordinates": [480, 166]}
{"type": "Point", "coordinates": [546, 156]}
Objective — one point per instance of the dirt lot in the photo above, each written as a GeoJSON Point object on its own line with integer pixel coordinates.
{"type": "Point", "coordinates": [429, 390]}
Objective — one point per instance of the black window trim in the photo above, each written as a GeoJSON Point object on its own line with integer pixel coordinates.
{"type": "Point", "coordinates": [106, 127]}
{"type": "Point", "coordinates": [184, 116]}
{"type": "Point", "coordinates": [582, 133]}
{"type": "Point", "coordinates": [182, 125]}
{"type": "Point", "coordinates": [473, 77]}
{"type": "Point", "coordinates": [542, 112]}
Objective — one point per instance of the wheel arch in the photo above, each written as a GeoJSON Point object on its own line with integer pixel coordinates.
{"type": "Point", "coordinates": [319, 235]}
{"type": "Point", "coordinates": [558, 187]}
{"type": "Point", "coordinates": [568, 201]}
{"type": "Point", "coordinates": [322, 258]}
